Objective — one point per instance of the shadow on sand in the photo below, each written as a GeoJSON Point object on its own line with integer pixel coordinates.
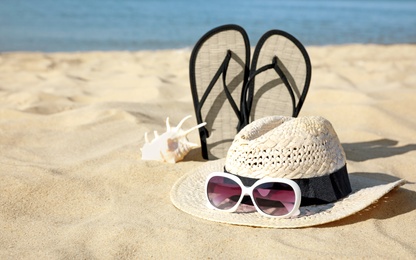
{"type": "Point", "coordinates": [381, 148]}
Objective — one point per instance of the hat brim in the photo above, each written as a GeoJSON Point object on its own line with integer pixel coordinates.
{"type": "Point", "coordinates": [188, 195]}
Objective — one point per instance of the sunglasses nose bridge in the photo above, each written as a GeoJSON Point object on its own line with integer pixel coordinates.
{"type": "Point", "coordinates": [246, 191]}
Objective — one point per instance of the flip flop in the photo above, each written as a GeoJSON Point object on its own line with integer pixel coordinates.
{"type": "Point", "coordinates": [279, 78]}
{"type": "Point", "coordinates": [218, 72]}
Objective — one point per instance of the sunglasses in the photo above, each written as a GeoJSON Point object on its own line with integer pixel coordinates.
{"type": "Point", "coordinates": [272, 197]}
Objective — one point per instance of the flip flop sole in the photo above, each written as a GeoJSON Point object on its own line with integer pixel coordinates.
{"type": "Point", "coordinates": [207, 57]}
{"type": "Point", "coordinates": [269, 94]}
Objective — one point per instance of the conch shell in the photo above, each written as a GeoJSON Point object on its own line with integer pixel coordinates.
{"type": "Point", "coordinates": [172, 146]}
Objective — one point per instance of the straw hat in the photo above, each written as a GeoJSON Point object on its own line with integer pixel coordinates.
{"type": "Point", "coordinates": [306, 150]}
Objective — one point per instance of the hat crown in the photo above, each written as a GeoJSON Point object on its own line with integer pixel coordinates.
{"type": "Point", "coordinates": [286, 147]}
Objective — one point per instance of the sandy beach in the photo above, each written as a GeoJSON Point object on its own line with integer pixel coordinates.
{"type": "Point", "coordinates": [73, 185]}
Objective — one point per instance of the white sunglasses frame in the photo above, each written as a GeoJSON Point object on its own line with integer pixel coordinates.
{"type": "Point", "coordinates": [249, 191]}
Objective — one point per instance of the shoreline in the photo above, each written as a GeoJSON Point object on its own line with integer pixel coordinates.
{"type": "Point", "coordinates": [189, 48]}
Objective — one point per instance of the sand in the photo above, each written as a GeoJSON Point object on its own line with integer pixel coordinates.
{"type": "Point", "coordinates": [73, 185]}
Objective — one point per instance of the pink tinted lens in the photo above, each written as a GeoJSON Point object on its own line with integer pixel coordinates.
{"type": "Point", "coordinates": [276, 199]}
{"type": "Point", "coordinates": [223, 193]}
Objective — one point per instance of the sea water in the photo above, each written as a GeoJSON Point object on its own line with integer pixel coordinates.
{"type": "Point", "coordinates": [82, 25]}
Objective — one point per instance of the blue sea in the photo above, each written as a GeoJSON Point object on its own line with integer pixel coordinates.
{"type": "Point", "coordinates": [84, 25]}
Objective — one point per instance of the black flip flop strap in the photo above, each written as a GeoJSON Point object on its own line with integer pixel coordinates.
{"type": "Point", "coordinates": [246, 104]}
{"type": "Point", "coordinates": [275, 66]}
{"type": "Point", "coordinates": [226, 90]}
{"type": "Point", "coordinates": [221, 70]}
{"type": "Point", "coordinates": [286, 82]}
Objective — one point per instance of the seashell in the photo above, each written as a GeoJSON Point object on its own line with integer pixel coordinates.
{"type": "Point", "coordinates": [172, 146]}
